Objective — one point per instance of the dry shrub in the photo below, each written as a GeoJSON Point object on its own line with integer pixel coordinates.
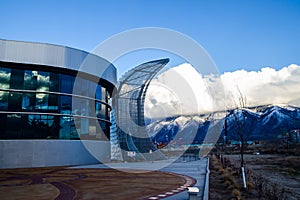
{"type": "Point", "coordinates": [250, 185]}
{"type": "Point", "coordinates": [236, 193]}
{"type": "Point", "coordinates": [220, 169]}
{"type": "Point", "coordinates": [229, 169]}
{"type": "Point", "coordinates": [234, 184]}
{"type": "Point", "coordinates": [226, 176]}
{"type": "Point", "coordinates": [228, 183]}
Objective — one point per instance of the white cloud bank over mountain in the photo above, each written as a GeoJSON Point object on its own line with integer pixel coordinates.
{"type": "Point", "coordinates": [182, 90]}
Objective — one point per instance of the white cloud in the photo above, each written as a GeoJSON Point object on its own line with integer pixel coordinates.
{"type": "Point", "coordinates": [266, 86]}
{"type": "Point", "coordinates": [182, 90]}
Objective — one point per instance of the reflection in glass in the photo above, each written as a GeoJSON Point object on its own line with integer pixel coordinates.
{"type": "Point", "coordinates": [28, 101]}
{"type": "Point", "coordinates": [3, 100]}
{"type": "Point", "coordinates": [17, 79]}
{"type": "Point", "coordinates": [67, 83]}
{"type": "Point", "coordinates": [42, 86]}
{"type": "Point", "coordinates": [66, 104]}
{"type": "Point", "coordinates": [4, 78]}
{"type": "Point", "coordinates": [30, 80]}
{"type": "Point", "coordinates": [36, 94]}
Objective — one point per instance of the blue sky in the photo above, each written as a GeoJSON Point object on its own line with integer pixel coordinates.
{"type": "Point", "coordinates": [237, 34]}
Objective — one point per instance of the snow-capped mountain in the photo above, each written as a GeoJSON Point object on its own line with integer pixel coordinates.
{"type": "Point", "coordinates": [259, 123]}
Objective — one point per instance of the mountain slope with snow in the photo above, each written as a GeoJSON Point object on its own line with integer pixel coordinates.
{"type": "Point", "coordinates": [261, 123]}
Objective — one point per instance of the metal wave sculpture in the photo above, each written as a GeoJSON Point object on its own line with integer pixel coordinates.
{"type": "Point", "coordinates": [129, 104]}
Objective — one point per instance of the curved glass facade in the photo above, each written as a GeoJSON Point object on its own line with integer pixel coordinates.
{"type": "Point", "coordinates": [36, 103]}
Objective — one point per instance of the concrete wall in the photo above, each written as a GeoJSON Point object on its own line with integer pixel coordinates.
{"type": "Point", "coordinates": [41, 153]}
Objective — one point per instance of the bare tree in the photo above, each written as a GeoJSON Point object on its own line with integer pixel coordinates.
{"type": "Point", "coordinates": [243, 125]}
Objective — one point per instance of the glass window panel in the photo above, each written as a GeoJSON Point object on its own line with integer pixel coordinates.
{"type": "Point", "coordinates": [104, 96]}
{"type": "Point", "coordinates": [3, 100]}
{"type": "Point", "coordinates": [17, 79]}
{"type": "Point", "coordinates": [73, 129]}
{"type": "Point", "coordinates": [81, 106]}
{"type": "Point", "coordinates": [42, 101]}
{"type": "Point", "coordinates": [30, 80]}
{"type": "Point", "coordinates": [14, 126]}
{"type": "Point", "coordinates": [43, 81]}
{"type": "Point", "coordinates": [83, 88]}
{"type": "Point", "coordinates": [3, 127]}
{"type": "Point", "coordinates": [84, 107]}
{"type": "Point", "coordinates": [28, 101]}
{"type": "Point", "coordinates": [53, 102]}
{"type": "Point", "coordinates": [98, 94]}
{"type": "Point", "coordinates": [50, 120]}
{"type": "Point", "coordinates": [64, 130]}
{"type": "Point", "coordinates": [54, 82]}
{"type": "Point", "coordinates": [92, 89]}
{"type": "Point", "coordinates": [99, 109]}
{"type": "Point", "coordinates": [4, 78]}
{"type": "Point", "coordinates": [91, 108]}
{"type": "Point", "coordinates": [100, 135]}
{"type": "Point", "coordinates": [66, 104]}
{"type": "Point", "coordinates": [15, 101]}
{"type": "Point", "coordinates": [66, 84]}
{"type": "Point", "coordinates": [44, 119]}
{"type": "Point", "coordinates": [103, 126]}
{"type": "Point", "coordinates": [53, 124]}
{"type": "Point", "coordinates": [84, 126]}
{"type": "Point", "coordinates": [92, 127]}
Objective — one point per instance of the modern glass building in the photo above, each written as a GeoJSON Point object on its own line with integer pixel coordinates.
{"type": "Point", "coordinates": [53, 93]}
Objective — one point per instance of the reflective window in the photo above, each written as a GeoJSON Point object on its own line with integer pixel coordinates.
{"type": "Point", "coordinates": [13, 125]}
{"type": "Point", "coordinates": [92, 89]}
{"type": "Point", "coordinates": [43, 79]}
{"type": "Point", "coordinates": [28, 101]}
{"type": "Point", "coordinates": [37, 99]}
{"type": "Point", "coordinates": [42, 101]}
{"type": "Point", "coordinates": [81, 87]}
{"type": "Point", "coordinates": [4, 78]}
{"type": "Point", "coordinates": [3, 127]}
{"type": "Point", "coordinates": [30, 80]}
{"type": "Point", "coordinates": [104, 95]}
{"type": "Point", "coordinates": [98, 94]}
{"type": "Point", "coordinates": [67, 128]}
{"type": "Point", "coordinates": [17, 79]}
{"type": "Point", "coordinates": [67, 83]}
{"type": "Point", "coordinates": [15, 101]}
{"type": "Point", "coordinates": [65, 105]}
{"type": "Point", "coordinates": [3, 100]}
{"type": "Point", "coordinates": [54, 82]}
{"type": "Point", "coordinates": [4, 84]}
{"type": "Point", "coordinates": [53, 102]}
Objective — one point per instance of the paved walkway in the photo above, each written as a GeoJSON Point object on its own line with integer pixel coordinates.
{"type": "Point", "coordinates": [195, 169]}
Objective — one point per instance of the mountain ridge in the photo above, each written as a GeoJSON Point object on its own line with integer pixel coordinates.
{"type": "Point", "coordinates": [265, 122]}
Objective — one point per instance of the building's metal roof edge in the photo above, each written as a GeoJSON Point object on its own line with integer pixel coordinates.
{"type": "Point", "coordinates": [57, 56]}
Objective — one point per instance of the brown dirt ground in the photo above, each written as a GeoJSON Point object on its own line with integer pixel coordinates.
{"type": "Point", "coordinates": [281, 169]}
{"type": "Point", "coordinates": [225, 184]}
{"type": "Point", "coordinates": [66, 183]}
